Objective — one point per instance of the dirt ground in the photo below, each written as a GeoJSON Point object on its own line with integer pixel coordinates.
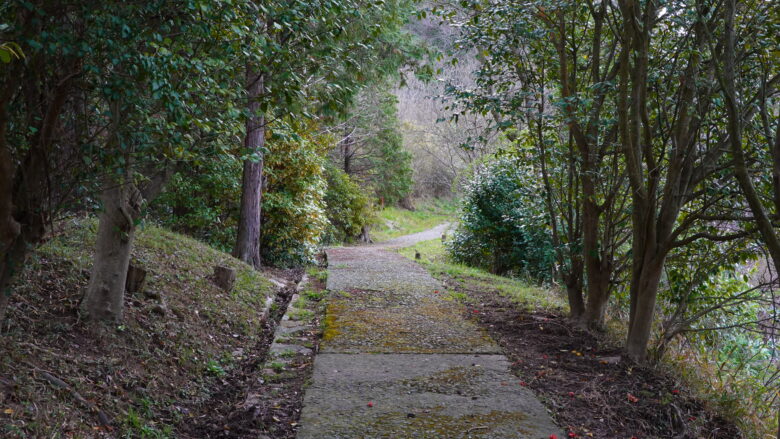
{"type": "Point", "coordinates": [276, 416]}
{"type": "Point", "coordinates": [589, 388]}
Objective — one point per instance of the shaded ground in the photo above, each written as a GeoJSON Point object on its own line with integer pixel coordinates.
{"type": "Point", "coordinates": [60, 377]}
{"type": "Point", "coordinates": [256, 401]}
{"type": "Point", "coordinates": [399, 360]}
{"type": "Point", "coordinates": [590, 389]}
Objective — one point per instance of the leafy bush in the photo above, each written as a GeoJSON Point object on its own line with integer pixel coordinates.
{"type": "Point", "coordinates": [348, 209]}
{"type": "Point", "coordinates": [294, 197]}
{"type": "Point", "coordinates": [503, 224]}
{"type": "Point", "coordinates": [203, 201]}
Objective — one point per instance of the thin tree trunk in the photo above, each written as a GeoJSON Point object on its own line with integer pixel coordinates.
{"type": "Point", "coordinates": [574, 290]}
{"type": "Point", "coordinates": [104, 298]}
{"type": "Point", "coordinates": [10, 229]}
{"type": "Point", "coordinates": [347, 148]}
{"type": "Point", "coordinates": [640, 326]}
{"type": "Point", "coordinates": [598, 271]}
{"type": "Point", "coordinates": [249, 227]}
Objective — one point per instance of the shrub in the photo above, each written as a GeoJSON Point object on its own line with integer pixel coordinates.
{"type": "Point", "coordinates": [503, 224]}
{"type": "Point", "coordinates": [349, 209]}
{"type": "Point", "coordinates": [294, 197]}
{"type": "Point", "coordinates": [203, 201]}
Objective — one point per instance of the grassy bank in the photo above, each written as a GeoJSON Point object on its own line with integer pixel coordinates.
{"type": "Point", "coordinates": [60, 377]}
{"type": "Point", "coordinates": [395, 221]}
{"type": "Point", "coordinates": [526, 295]}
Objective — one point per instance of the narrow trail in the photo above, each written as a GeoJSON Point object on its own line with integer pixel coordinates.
{"type": "Point", "coordinates": [398, 360]}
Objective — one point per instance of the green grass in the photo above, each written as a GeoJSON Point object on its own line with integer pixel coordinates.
{"type": "Point", "coordinates": [394, 221]}
{"type": "Point", "coordinates": [317, 273]}
{"type": "Point", "coordinates": [435, 259]}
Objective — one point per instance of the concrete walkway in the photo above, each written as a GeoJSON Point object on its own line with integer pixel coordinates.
{"type": "Point", "coordinates": [400, 361]}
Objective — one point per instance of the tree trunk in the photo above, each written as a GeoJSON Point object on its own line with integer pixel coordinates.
{"type": "Point", "coordinates": [644, 293]}
{"type": "Point", "coordinates": [573, 281]}
{"type": "Point", "coordinates": [347, 149]}
{"type": "Point", "coordinates": [597, 269]}
{"type": "Point", "coordinates": [248, 240]}
{"type": "Point", "coordinates": [598, 298]}
{"type": "Point", "coordinates": [11, 247]}
{"type": "Point", "coordinates": [104, 298]}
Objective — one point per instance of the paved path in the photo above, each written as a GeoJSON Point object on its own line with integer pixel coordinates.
{"type": "Point", "coordinates": [399, 361]}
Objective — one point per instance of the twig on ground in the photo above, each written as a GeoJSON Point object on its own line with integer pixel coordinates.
{"type": "Point", "coordinates": [60, 384]}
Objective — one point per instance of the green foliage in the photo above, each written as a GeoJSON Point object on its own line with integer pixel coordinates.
{"type": "Point", "coordinates": [343, 44]}
{"type": "Point", "coordinates": [203, 201]}
{"type": "Point", "coordinates": [379, 159]}
{"type": "Point", "coordinates": [9, 50]}
{"type": "Point", "coordinates": [504, 226]}
{"type": "Point", "coordinates": [348, 209]}
{"type": "Point", "coordinates": [294, 218]}
{"type": "Point", "coordinates": [213, 367]}
{"type": "Point", "coordinates": [136, 425]}
{"type": "Point", "coordinates": [392, 179]}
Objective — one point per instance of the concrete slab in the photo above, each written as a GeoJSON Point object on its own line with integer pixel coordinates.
{"type": "Point", "coordinates": [372, 322]}
{"type": "Point", "coordinates": [420, 396]}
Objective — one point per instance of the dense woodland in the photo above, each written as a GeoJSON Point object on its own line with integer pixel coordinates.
{"type": "Point", "coordinates": [625, 153]}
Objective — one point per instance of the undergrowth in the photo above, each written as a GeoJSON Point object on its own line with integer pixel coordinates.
{"type": "Point", "coordinates": [178, 338]}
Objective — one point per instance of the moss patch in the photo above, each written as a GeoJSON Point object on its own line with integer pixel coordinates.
{"type": "Point", "coordinates": [430, 326]}
{"type": "Point", "coordinates": [439, 425]}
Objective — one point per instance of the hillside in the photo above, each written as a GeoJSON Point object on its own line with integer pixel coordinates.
{"type": "Point", "coordinates": [179, 337]}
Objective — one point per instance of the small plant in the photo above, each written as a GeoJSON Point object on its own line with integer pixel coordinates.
{"type": "Point", "coordinates": [314, 296]}
{"type": "Point", "coordinates": [277, 366]}
{"type": "Point", "coordinates": [214, 368]}
{"type": "Point", "coordinates": [301, 315]}
{"type": "Point", "coordinates": [136, 426]}
{"type": "Point", "coordinates": [287, 354]}
{"type": "Point", "coordinates": [317, 273]}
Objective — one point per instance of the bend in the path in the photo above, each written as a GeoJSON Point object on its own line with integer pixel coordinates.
{"type": "Point", "coordinates": [407, 240]}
